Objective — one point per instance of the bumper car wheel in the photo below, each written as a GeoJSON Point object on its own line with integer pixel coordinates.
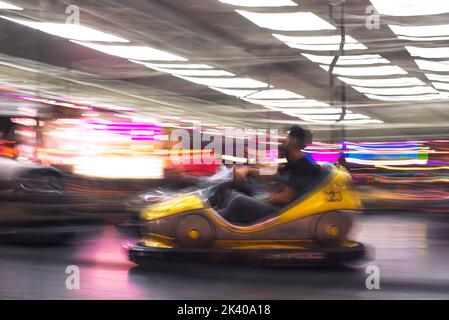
{"type": "Point", "coordinates": [195, 231]}
{"type": "Point", "coordinates": [332, 229]}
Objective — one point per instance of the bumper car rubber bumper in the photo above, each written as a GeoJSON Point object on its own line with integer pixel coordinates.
{"type": "Point", "coordinates": [145, 255]}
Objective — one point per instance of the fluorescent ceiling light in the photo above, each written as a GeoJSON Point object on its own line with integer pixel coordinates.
{"type": "Point", "coordinates": [292, 21]}
{"type": "Point", "coordinates": [308, 111]}
{"type": "Point", "coordinates": [423, 38]}
{"type": "Point", "coordinates": [275, 94]}
{"type": "Point", "coordinates": [325, 47]}
{"type": "Point", "coordinates": [403, 8]}
{"type": "Point", "coordinates": [397, 91]}
{"type": "Point", "coordinates": [320, 43]}
{"type": "Point", "coordinates": [421, 31]}
{"type": "Point", "coordinates": [69, 31]}
{"type": "Point", "coordinates": [289, 103]}
{"type": "Point", "coordinates": [235, 92]}
{"type": "Point", "coordinates": [195, 73]}
{"type": "Point", "coordinates": [432, 65]}
{"type": "Point", "coordinates": [441, 85]}
{"type": "Point", "coordinates": [7, 6]}
{"type": "Point", "coordinates": [367, 71]}
{"type": "Point", "coordinates": [133, 52]}
{"type": "Point", "coordinates": [351, 116]}
{"type": "Point", "coordinates": [445, 94]}
{"type": "Point", "coordinates": [345, 122]}
{"type": "Point", "coordinates": [396, 82]}
{"type": "Point", "coordinates": [348, 60]}
{"type": "Point", "coordinates": [428, 52]}
{"type": "Point", "coordinates": [173, 65]}
{"type": "Point", "coordinates": [406, 98]}
{"type": "Point", "coordinates": [356, 122]}
{"type": "Point", "coordinates": [227, 82]}
{"type": "Point", "coordinates": [260, 3]}
{"type": "Point", "coordinates": [322, 40]}
{"type": "Point", "coordinates": [437, 77]}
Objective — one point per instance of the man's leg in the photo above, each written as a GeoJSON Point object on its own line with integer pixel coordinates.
{"type": "Point", "coordinates": [244, 209]}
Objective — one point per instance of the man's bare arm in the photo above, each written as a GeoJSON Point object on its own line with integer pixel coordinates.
{"type": "Point", "coordinates": [285, 196]}
{"type": "Point", "coordinates": [245, 172]}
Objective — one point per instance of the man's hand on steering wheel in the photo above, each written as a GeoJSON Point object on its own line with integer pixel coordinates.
{"type": "Point", "coordinates": [241, 173]}
{"type": "Point", "coordinates": [240, 182]}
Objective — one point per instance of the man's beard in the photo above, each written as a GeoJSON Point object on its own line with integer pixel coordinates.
{"type": "Point", "coordinates": [288, 156]}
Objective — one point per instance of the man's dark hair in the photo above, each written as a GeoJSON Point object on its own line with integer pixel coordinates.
{"type": "Point", "coordinates": [303, 136]}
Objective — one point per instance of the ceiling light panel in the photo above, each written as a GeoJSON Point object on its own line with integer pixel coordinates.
{"type": "Point", "coordinates": [441, 85]}
{"type": "Point", "coordinates": [311, 111]}
{"type": "Point", "coordinates": [69, 31]}
{"type": "Point", "coordinates": [404, 8]}
{"type": "Point", "coordinates": [345, 122]}
{"type": "Point", "coordinates": [320, 43]}
{"type": "Point", "coordinates": [227, 82]}
{"type": "Point", "coordinates": [133, 52]}
{"type": "Point", "coordinates": [275, 94]}
{"type": "Point", "coordinates": [174, 65]}
{"type": "Point", "coordinates": [289, 103]}
{"type": "Point", "coordinates": [365, 59]}
{"type": "Point", "coordinates": [195, 73]}
{"type": "Point", "coordinates": [241, 93]}
{"type": "Point", "coordinates": [437, 77]}
{"type": "Point", "coordinates": [423, 38]}
{"type": "Point", "coordinates": [432, 65]}
{"type": "Point", "coordinates": [427, 97]}
{"type": "Point", "coordinates": [442, 52]}
{"type": "Point", "coordinates": [367, 71]}
{"type": "Point", "coordinates": [397, 91]}
{"type": "Point", "coordinates": [395, 82]}
{"type": "Point", "coordinates": [351, 116]}
{"type": "Point", "coordinates": [360, 122]}
{"type": "Point", "coordinates": [315, 40]}
{"type": "Point", "coordinates": [8, 6]}
{"type": "Point", "coordinates": [325, 47]}
{"type": "Point", "coordinates": [260, 3]}
{"type": "Point", "coordinates": [421, 31]}
{"type": "Point", "coordinates": [292, 21]}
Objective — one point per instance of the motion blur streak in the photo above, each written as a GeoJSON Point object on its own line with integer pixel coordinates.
{"type": "Point", "coordinates": [408, 250]}
{"type": "Point", "coordinates": [129, 128]}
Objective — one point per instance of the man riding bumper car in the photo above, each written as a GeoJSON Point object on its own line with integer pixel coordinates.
{"type": "Point", "coordinates": [306, 221]}
{"type": "Point", "coordinates": [293, 178]}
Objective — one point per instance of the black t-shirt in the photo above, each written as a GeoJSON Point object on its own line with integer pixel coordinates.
{"type": "Point", "coordinates": [299, 174]}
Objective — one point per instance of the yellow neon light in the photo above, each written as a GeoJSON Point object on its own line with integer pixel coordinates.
{"type": "Point", "coordinates": [414, 168]}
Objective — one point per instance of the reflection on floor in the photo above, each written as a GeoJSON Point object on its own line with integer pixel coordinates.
{"type": "Point", "coordinates": [411, 252]}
